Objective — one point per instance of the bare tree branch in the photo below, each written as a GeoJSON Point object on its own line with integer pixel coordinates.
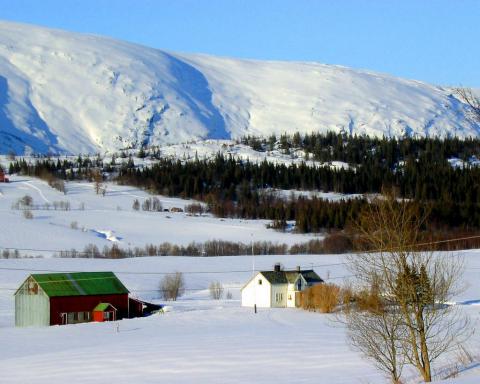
{"type": "Point", "coordinates": [466, 95]}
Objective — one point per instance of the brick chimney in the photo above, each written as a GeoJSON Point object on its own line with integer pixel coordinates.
{"type": "Point", "coordinates": [276, 267]}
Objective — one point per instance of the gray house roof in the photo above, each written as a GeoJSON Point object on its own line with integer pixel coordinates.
{"type": "Point", "coordinates": [284, 277]}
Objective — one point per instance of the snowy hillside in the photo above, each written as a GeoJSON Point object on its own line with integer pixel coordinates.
{"type": "Point", "coordinates": [68, 92]}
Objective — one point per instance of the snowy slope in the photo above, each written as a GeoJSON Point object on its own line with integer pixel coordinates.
{"type": "Point", "coordinates": [101, 220]}
{"type": "Point", "coordinates": [68, 92]}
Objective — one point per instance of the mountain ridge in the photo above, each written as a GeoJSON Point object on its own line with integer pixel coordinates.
{"type": "Point", "coordinates": [66, 92]}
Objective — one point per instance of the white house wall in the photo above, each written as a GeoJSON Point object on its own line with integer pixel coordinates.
{"type": "Point", "coordinates": [255, 293]}
{"type": "Point", "coordinates": [279, 295]}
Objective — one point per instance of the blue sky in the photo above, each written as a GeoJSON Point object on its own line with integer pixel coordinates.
{"type": "Point", "coordinates": [430, 40]}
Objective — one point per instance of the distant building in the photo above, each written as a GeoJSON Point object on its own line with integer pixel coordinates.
{"type": "Point", "coordinates": [278, 288]}
{"type": "Point", "coordinates": [3, 176]}
{"type": "Point", "coordinates": [69, 298]}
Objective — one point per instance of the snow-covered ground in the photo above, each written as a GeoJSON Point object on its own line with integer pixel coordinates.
{"type": "Point", "coordinates": [94, 219]}
{"type": "Point", "coordinates": [71, 92]}
{"type": "Point", "coordinates": [198, 340]}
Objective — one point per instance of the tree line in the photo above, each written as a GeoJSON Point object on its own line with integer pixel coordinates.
{"type": "Point", "coordinates": [418, 168]}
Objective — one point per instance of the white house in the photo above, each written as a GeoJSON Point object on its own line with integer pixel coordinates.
{"type": "Point", "coordinates": [278, 288]}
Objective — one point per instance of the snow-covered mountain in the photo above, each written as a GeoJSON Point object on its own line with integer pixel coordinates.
{"type": "Point", "coordinates": [69, 92]}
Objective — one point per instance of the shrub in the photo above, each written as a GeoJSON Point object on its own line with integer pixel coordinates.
{"type": "Point", "coordinates": [310, 247]}
{"type": "Point", "coordinates": [136, 205]}
{"type": "Point", "coordinates": [172, 286]}
{"type": "Point", "coordinates": [278, 225]}
{"type": "Point", "coordinates": [150, 204]}
{"type": "Point", "coordinates": [369, 300]}
{"type": "Point", "coordinates": [347, 297]}
{"type": "Point", "coordinates": [27, 214]}
{"type": "Point", "coordinates": [26, 201]}
{"type": "Point", "coordinates": [156, 204]}
{"type": "Point", "coordinates": [337, 243]}
{"type": "Point", "coordinates": [321, 297]}
{"type": "Point", "coordinates": [216, 290]}
{"type": "Point", "coordinates": [58, 184]}
{"type": "Point", "coordinates": [195, 209]}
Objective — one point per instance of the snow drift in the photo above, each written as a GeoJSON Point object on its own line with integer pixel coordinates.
{"type": "Point", "coordinates": [71, 93]}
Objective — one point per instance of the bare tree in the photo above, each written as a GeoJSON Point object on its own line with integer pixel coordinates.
{"type": "Point", "coordinates": [172, 286]}
{"type": "Point", "coordinates": [378, 335]}
{"type": "Point", "coordinates": [136, 205]}
{"type": "Point", "coordinates": [216, 290]}
{"type": "Point", "coordinates": [97, 180]}
{"type": "Point", "coordinates": [416, 284]}
{"type": "Point", "coordinates": [468, 97]}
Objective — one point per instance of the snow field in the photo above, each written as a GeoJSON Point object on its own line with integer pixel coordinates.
{"type": "Point", "coordinates": [198, 339]}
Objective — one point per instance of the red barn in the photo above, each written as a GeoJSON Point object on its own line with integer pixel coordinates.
{"type": "Point", "coordinates": [69, 298]}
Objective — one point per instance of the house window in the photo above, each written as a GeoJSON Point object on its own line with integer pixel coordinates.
{"type": "Point", "coordinates": [106, 315]}
{"type": "Point", "coordinates": [259, 281]}
{"type": "Point", "coordinates": [279, 297]}
{"type": "Point", "coordinates": [289, 297]}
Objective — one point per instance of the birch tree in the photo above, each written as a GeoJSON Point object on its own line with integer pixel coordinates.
{"type": "Point", "coordinates": [414, 285]}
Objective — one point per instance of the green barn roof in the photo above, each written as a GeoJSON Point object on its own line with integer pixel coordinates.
{"type": "Point", "coordinates": [80, 284]}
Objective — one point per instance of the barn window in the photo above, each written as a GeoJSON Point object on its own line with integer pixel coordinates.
{"type": "Point", "coordinates": [259, 281]}
{"type": "Point", "coordinates": [32, 288]}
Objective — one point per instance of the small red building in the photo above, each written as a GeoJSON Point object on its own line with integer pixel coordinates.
{"type": "Point", "coordinates": [104, 312]}
{"type": "Point", "coordinates": [69, 298]}
{"type": "Point", "coordinates": [3, 177]}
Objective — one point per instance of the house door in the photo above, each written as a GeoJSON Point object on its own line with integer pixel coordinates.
{"type": "Point", "coordinates": [297, 299]}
